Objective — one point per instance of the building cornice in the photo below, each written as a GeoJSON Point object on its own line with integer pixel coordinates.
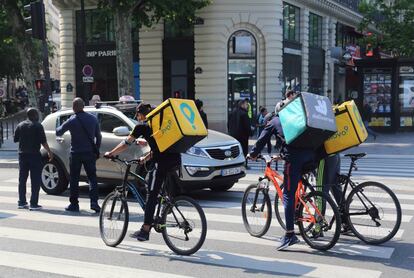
{"type": "Point", "coordinates": [335, 9]}
{"type": "Point", "coordinates": [70, 4]}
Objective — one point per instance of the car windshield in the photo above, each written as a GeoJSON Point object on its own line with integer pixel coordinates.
{"type": "Point", "coordinates": [128, 111]}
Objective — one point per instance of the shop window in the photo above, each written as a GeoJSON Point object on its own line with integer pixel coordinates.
{"type": "Point", "coordinates": [178, 29]}
{"type": "Point", "coordinates": [291, 23]}
{"type": "Point", "coordinates": [99, 28]}
{"type": "Point", "coordinates": [315, 30]}
{"type": "Point", "coordinates": [346, 35]}
{"type": "Point", "coordinates": [406, 90]}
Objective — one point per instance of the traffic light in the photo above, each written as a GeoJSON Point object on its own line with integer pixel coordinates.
{"type": "Point", "coordinates": [39, 84]}
{"type": "Point", "coordinates": [36, 20]}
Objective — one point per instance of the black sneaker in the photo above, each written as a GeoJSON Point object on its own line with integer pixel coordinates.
{"type": "Point", "coordinates": [22, 206]}
{"type": "Point", "coordinates": [95, 207]}
{"type": "Point", "coordinates": [73, 208]}
{"type": "Point", "coordinates": [142, 235]}
{"type": "Point", "coordinates": [35, 207]}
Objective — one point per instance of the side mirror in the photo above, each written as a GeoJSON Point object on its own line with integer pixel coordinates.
{"type": "Point", "coordinates": [121, 131]}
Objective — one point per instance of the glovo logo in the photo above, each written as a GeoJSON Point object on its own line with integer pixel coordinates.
{"type": "Point", "coordinates": [340, 133]}
{"type": "Point", "coordinates": [167, 127]}
{"type": "Point", "coordinates": [359, 119]}
{"type": "Point", "coordinates": [188, 113]}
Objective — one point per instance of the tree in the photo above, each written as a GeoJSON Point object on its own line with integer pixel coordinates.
{"type": "Point", "coordinates": [27, 49]}
{"type": "Point", "coordinates": [127, 13]}
{"type": "Point", "coordinates": [395, 25]}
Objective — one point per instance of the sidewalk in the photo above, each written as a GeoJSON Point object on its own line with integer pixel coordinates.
{"type": "Point", "coordinates": [392, 145]}
{"type": "Point", "coordinates": [8, 154]}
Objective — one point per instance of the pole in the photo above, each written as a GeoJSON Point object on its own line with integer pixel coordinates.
{"type": "Point", "coordinates": [84, 86]}
{"type": "Point", "coordinates": [46, 72]}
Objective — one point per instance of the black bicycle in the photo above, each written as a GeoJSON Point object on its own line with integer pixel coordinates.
{"type": "Point", "coordinates": [371, 210]}
{"type": "Point", "coordinates": [180, 220]}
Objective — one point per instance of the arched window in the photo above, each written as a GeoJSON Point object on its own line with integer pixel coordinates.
{"type": "Point", "coordinates": [242, 68]}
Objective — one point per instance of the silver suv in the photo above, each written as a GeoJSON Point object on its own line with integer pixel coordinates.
{"type": "Point", "coordinates": [216, 162]}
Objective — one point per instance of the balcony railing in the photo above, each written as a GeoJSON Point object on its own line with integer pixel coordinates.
{"type": "Point", "coordinates": [350, 4]}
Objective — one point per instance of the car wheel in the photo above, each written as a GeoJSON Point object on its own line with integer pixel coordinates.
{"type": "Point", "coordinates": [222, 187]}
{"type": "Point", "coordinates": [54, 180]}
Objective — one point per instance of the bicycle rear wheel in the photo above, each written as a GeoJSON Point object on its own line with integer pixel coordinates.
{"type": "Point", "coordinates": [373, 212]}
{"type": "Point", "coordinates": [256, 211]}
{"type": "Point", "coordinates": [184, 225]}
{"type": "Point", "coordinates": [319, 231]}
{"type": "Point", "coordinates": [113, 219]}
{"type": "Point", "coordinates": [280, 210]}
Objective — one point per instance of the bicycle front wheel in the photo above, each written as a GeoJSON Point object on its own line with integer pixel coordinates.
{"type": "Point", "coordinates": [113, 219]}
{"type": "Point", "coordinates": [184, 225]}
{"type": "Point", "coordinates": [320, 231]}
{"type": "Point", "coordinates": [256, 211]}
{"type": "Point", "coordinates": [374, 212]}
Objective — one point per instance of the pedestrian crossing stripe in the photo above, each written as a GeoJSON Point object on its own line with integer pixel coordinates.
{"type": "Point", "coordinates": [212, 234]}
{"type": "Point", "coordinates": [75, 268]}
{"type": "Point", "coordinates": [205, 204]}
{"type": "Point", "coordinates": [219, 258]}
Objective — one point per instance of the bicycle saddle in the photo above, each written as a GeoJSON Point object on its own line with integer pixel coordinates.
{"type": "Point", "coordinates": [356, 156]}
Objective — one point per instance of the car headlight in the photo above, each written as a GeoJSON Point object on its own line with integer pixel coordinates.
{"type": "Point", "coordinates": [192, 170]}
{"type": "Point", "coordinates": [196, 151]}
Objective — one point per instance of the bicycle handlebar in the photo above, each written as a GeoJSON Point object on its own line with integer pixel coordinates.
{"type": "Point", "coordinates": [126, 162]}
{"type": "Point", "coordinates": [266, 158]}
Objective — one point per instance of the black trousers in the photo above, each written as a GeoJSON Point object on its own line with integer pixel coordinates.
{"type": "Point", "coordinates": [30, 162]}
{"type": "Point", "coordinates": [162, 166]}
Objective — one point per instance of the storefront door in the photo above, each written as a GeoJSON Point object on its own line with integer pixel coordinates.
{"type": "Point", "coordinates": [241, 86]}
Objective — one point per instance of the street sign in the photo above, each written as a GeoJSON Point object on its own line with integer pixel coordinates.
{"type": "Point", "coordinates": [87, 71]}
{"type": "Point", "coordinates": [87, 79]}
{"type": "Point", "coordinates": [69, 88]}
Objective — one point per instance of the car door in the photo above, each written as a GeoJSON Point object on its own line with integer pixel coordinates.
{"type": "Point", "coordinates": [62, 143]}
{"type": "Point", "coordinates": [107, 168]}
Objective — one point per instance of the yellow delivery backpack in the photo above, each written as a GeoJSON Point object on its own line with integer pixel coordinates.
{"type": "Point", "coordinates": [176, 125]}
{"type": "Point", "coordinates": [351, 130]}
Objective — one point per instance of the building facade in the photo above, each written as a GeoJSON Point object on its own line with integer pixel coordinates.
{"type": "Point", "coordinates": [236, 49]}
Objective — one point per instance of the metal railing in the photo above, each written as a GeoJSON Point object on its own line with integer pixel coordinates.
{"type": "Point", "coordinates": [8, 125]}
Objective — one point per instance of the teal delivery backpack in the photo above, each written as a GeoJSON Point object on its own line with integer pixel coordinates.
{"type": "Point", "coordinates": [307, 120]}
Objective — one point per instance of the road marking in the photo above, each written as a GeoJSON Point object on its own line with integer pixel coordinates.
{"type": "Point", "coordinates": [239, 194]}
{"type": "Point", "coordinates": [237, 205]}
{"type": "Point", "coordinates": [74, 267]}
{"type": "Point", "coordinates": [212, 257]}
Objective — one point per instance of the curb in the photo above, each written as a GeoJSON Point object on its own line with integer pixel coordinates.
{"type": "Point", "coordinates": [9, 165]}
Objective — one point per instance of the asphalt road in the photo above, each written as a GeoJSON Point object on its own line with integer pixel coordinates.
{"type": "Point", "coordinates": [54, 243]}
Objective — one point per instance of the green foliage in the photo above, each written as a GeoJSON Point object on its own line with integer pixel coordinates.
{"type": "Point", "coordinates": [395, 23]}
{"type": "Point", "coordinates": [10, 65]}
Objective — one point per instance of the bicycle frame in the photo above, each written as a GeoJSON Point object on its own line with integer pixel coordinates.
{"type": "Point", "coordinates": [353, 185]}
{"type": "Point", "coordinates": [273, 175]}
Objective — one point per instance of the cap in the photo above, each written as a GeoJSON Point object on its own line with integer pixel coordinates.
{"type": "Point", "coordinates": [143, 108]}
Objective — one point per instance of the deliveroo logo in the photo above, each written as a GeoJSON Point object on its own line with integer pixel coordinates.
{"type": "Point", "coordinates": [321, 107]}
{"type": "Point", "coordinates": [188, 113]}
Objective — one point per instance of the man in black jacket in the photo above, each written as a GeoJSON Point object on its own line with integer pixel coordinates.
{"type": "Point", "coordinates": [239, 125]}
{"type": "Point", "coordinates": [84, 129]}
{"type": "Point", "coordinates": [30, 134]}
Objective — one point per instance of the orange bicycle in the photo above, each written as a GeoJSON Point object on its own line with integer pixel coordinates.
{"type": "Point", "coordinates": [316, 213]}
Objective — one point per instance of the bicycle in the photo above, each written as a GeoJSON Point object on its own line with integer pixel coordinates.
{"type": "Point", "coordinates": [318, 231]}
{"type": "Point", "coordinates": [176, 218]}
{"type": "Point", "coordinates": [365, 200]}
